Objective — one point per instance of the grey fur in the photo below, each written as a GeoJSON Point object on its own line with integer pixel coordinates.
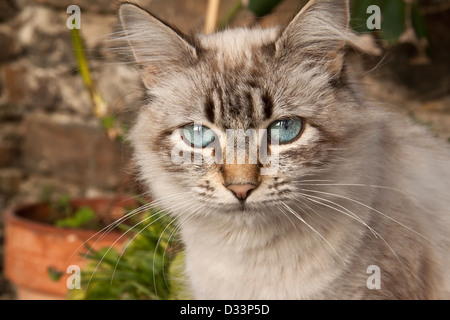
{"type": "Point", "coordinates": [360, 187]}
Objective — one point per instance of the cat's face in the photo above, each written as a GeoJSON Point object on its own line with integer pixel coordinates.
{"type": "Point", "coordinates": [284, 91]}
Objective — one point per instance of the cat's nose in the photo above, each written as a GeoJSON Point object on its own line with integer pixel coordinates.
{"type": "Point", "coordinates": [241, 191]}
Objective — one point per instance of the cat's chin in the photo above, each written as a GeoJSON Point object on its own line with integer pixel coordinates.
{"type": "Point", "coordinates": [226, 208]}
{"type": "Point", "coordinates": [238, 207]}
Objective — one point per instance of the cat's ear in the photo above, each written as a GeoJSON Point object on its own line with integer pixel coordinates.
{"type": "Point", "coordinates": [319, 29]}
{"type": "Point", "coordinates": [157, 48]}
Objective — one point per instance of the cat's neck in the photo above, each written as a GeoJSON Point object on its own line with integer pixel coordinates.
{"type": "Point", "coordinates": [238, 255]}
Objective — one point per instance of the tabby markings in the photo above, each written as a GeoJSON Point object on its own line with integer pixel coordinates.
{"type": "Point", "coordinates": [237, 150]}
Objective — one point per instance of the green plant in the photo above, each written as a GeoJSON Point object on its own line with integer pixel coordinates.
{"type": "Point", "coordinates": [99, 104]}
{"type": "Point", "coordinates": [81, 217]}
{"type": "Point", "coordinates": [64, 215]}
{"type": "Point", "coordinates": [259, 8]}
{"type": "Point", "coordinates": [148, 267]}
{"type": "Point", "coordinates": [100, 108]}
{"type": "Point", "coordinates": [398, 16]}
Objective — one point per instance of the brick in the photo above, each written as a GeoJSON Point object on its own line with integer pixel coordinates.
{"type": "Point", "coordinates": [8, 10]}
{"type": "Point", "coordinates": [8, 154]}
{"type": "Point", "coordinates": [10, 112]}
{"type": "Point", "coordinates": [10, 46]}
{"type": "Point", "coordinates": [71, 149]}
{"type": "Point", "coordinates": [10, 180]}
{"type": "Point", "coordinates": [13, 83]}
{"type": "Point", "coordinates": [88, 5]}
{"type": "Point", "coordinates": [110, 161]}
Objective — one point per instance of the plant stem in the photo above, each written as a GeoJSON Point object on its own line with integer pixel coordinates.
{"type": "Point", "coordinates": [99, 104]}
{"type": "Point", "coordinates": [237, 6]}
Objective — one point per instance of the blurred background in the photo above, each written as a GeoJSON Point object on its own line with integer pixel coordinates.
{"type": "Point", "coordinates": [54, 143]}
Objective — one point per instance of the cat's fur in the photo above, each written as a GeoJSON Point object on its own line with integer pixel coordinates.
{"type": "Point", "coordinates": [360, 187]}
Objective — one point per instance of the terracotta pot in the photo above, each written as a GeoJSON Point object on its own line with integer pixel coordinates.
{"type": "Point", "coordinates": [32, 247]}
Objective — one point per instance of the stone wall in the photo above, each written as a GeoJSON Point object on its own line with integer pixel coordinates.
{"type": "Point", "coordinates": [49, 137]}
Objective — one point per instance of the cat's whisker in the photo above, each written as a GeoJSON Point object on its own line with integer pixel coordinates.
{"type": "Point", "coordinates": [370, 208]}
{"type": "Point", "coordinates": [347, 212]}
{"type": "Point", "coordinates": [159, 241]}
{"type": "Point", "coordinates": [288, 217]}
{"type": "Point", "coordinates": [296, 202]}
{"type": "Point", "coordinates": [111, 246]}
{"type": "Point", "coordinates": [140, 209]}
{"type": "Point", "coordinates": [104, 231]}
{"type": "Point", "coordinates": [107, 229]}
{"type": "Point", "coordinates": [301, 182]}
{"type": "Point", "coordinates": [295, 214]}
{"type": "Point", "coordinates": [165, 213]}
{"type": "Point", "coordinates": [180, 221]}
{"type": "Point", "coordinates": [171, 236]}
{"type": "Point", "coordinates": [354, 216]}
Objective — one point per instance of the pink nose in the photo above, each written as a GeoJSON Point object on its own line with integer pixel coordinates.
{"type": "Point", "coordinates": [241, 191]}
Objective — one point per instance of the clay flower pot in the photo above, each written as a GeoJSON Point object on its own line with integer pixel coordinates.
{"type": "Point", "coordinates": [34, 248]}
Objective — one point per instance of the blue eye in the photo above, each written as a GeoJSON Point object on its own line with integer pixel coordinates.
{"type": "Point", "coordinates": [285, 130]}
{"type": "Point", "coordinates": [198, 135]}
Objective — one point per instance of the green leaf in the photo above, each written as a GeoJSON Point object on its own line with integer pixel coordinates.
{"type": "Point", "coordinates": [262, 7]}
{"type": "Point", "coordinates": [393, 23]}
{"type": "Point", "coordinates": [81, 217]}
{"type": "Point", "coordinates": [54, 274]}
{"type": "Point", "coordinates": [392, 18]}
{"type": "Point", "coordinates": [177, 278]}
{"type": "Point", "coordinates": [359, 14]}
{"type": "Point", "coordinates": [108, 122]}
{"type": "Point", "coordinates": [418, 22]}
{"type": "Point", "coordinates": [139, 271]}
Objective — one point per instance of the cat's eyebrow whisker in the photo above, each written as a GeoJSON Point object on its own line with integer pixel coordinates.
{"type": "Point", "coordinates": [312, 229]}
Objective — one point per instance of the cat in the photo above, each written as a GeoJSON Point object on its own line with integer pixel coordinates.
{"type": "Point", "coordinates": [356, 205]}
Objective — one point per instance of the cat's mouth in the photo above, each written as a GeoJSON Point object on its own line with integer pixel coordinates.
{"type": "Point", "coordinates": [240, 206]}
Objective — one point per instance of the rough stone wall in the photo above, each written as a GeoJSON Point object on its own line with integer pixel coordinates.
{"type": "Point", "coordinates": [49, 137]}
{"type": "Point", "coordinates": [48, 134]}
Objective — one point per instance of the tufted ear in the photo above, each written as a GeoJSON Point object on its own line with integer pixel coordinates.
{"type": "Point", "coordinates": [157, 48]}
{"type": "Point", "coordinates": [320, 30]}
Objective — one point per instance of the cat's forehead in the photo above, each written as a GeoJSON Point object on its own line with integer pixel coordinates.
{"type": "Point", "coordinates": [236, 45]}
{"type": "Point", "coordinates": [236, 96]}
